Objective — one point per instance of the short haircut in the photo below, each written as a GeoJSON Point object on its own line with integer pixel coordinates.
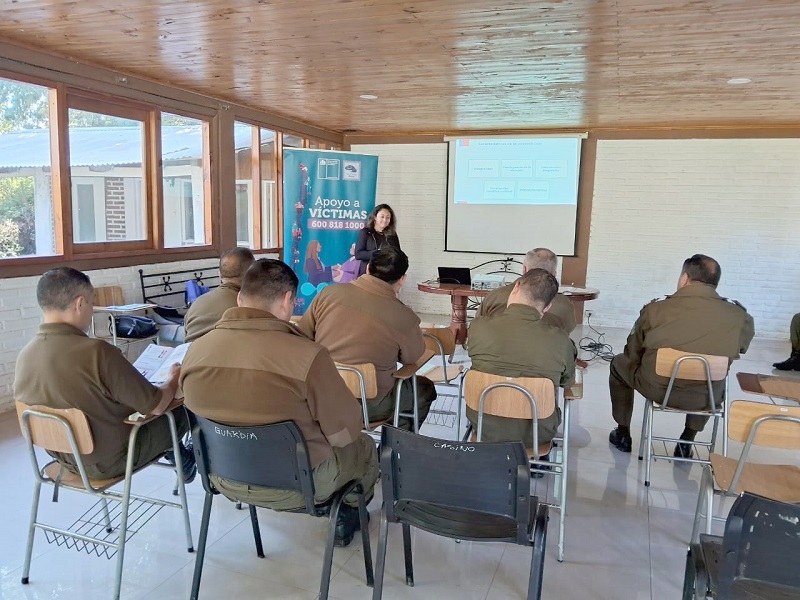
{"type": "Point", "coordinates": [391, 228]}
{"type": "Point", "coordinates": [234, 262]}
{"type": "Point", "coordinates": [59, 287]}
{"type": "Point", "coordinates": [388, 264]}
{"type": "Point", "coordinates": [538, 286]}
{"type": "Point", "coordinates": [267, 280]}
{"type": "Point", "coordinates": [541, 258]}
{"type": "Point", "coordinates": [702, 269]}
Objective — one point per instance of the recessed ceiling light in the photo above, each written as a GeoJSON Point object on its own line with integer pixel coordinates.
{"type": "Point", "coordinates": [368, 97]}
{"type": "Point", "coordinates": [739, 80]}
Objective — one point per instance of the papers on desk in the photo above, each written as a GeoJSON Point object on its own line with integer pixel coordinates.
{"type": "Point", "coordinates": [155, 362]}
{"type": "Point", "coordinates": [125, 307]}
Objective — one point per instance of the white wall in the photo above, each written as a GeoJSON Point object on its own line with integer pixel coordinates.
{"type": "Point", "coordinates": [656, 202]}
{"type": "Point", "coordinates": [412, 179]}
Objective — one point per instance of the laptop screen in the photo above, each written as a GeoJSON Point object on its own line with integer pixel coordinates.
{"type": "Point", "coordinates": [454, 275]}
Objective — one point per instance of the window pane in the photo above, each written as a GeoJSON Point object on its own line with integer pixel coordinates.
{"type": "Point", "coordinates": [182, 151]}
{"type": "Point", "coordinates": [26, 196]}
{"type": "Point", "coordinates": [269, 208]}
{"type": "Point", "coordinates": [108, 200]}
{"type": "Point", "coordinates": [243, 139]}
{"type": "Point", "coordinates": [292, 141]}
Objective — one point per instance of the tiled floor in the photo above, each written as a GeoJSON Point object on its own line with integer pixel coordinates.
{"type": "Point", "coordinates": [623, 540]}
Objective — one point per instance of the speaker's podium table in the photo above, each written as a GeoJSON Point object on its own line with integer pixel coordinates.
{"type": "Point", "coordinates": [459, 293]}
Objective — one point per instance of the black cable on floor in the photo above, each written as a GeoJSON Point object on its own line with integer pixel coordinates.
{"type": "Point", "coordinates": [597, 348]}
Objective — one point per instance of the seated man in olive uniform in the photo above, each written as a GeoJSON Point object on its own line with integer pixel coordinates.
{"type": "Point", "coordinates": [62, 367]}
{"type": "Point", "coordinates": [793, 362]}
{"type": "Point", "coordinates": [519, 342]}
{"type": "Point", "coordinates": [256, 368]}
{"type": "Point", "coordinates": [204, 312]}
{"type": "Point", "coordinates": [693, 319]}
{"type": "Point", "coordinates": [561, 313]}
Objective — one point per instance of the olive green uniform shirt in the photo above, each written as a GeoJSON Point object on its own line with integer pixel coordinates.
{"type": "Point", "coordinates": [561, 313]}
{"type": "Point", "coordinates": [256, 369]}
{"type": "Point", "coordinates": [204, 312]}
{"type": "Point", "coordinates": [519, 343]}
{"type": "Point", "coordinates": [62, 367]}
{"type": "Point", "coordinates": [693, 319]}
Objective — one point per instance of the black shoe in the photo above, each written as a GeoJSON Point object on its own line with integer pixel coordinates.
{"type": "Point", "coordinates": [683, 451]}
{"type": "Point", "coordinates": [188, 464]}
{"type": "Point", "coordinates": [347, 523]}
{"type": "Point", "coordinates": [621, 441]}
{"type": "Point", "coordinates": [790, 364]}
{"type": "Point", "coordinates": [537, 471]}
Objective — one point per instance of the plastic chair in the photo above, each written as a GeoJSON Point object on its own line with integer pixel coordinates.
{"type": "Point", "coordinates": [763, 425]}
{"type": "Point", "coordinates": [465, 491]}
{"type": "Point", "coordinates": [676, 364]}
{"type": "Point", "coordinates": [523, 398]}
{"type": "Point", "coordinates": [95, 532]}
{"type": "Point", "coordinates": [269, 456]}
{"type": "Point", "coordinates": [753, 559]}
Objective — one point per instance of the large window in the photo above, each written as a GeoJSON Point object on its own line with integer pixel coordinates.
{"type": "Point", "coordinates": [26, 196]}
{"type": "Point", "coordinates": [184, 146]}
{"type": "Point", "coordinates": [106, 161]}
{"type": "Point", "coordinates": [256, 190]}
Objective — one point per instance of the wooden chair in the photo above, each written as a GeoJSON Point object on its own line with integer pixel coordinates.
{"type": "Point", "coordinates": [362, 381]}
{"type": "Point", "coordinates": [111, 295]}
{"type": "Point", "coordinates": [442, 342]}
{"type": "Point", "coordinates": [409, 371]}
{"type": "Point", "coordinates": [475, 492]}
{"type": "Point", "coordinates": [68, 431]}
{"type": "Point", "coordinates": [689, 366]}
{"type": "Point", "coordinates": [770, 385]}
{"type": "Point", "coordinates": [752, 423]}
{"type": "Point", "coordinates": [524, 398]}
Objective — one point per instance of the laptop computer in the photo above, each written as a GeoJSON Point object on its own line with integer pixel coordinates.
{"type": "Point", "coordinates": [454, 275]}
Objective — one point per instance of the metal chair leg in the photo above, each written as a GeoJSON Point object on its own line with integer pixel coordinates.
{"type": "Point", "coordinates": [416, 403]}
{"type": "Point", "coordinates": [362, 517]}
{"type": "Point", "coordinates": [537, 553]}
{"type": "Point", "coordinates": [180, 484]}
{"type": "Point", "coordinates": [26, 568]}
{"type": "Point", "coordinates": [256, 532]}
{"type": "Point", "coordinates": [407, 553]}
{"type": "Point", "coordinates": [201, 546]}
{"type": "Point", "coordinates": [562, 517]}
{"type": "Point", "coordinates": [649, 441]}
{"type": "Point", "coordinates": [698, 513]}
{"type": "Point", "coordinates": [644, 430]}
{"type": "Point", "coordinates": [327, 564]}
{"type": "Point", "coordinates": [380, 568]}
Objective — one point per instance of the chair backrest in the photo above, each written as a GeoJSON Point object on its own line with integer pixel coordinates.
{"type": "Point", "coordinates": [354, 375]}
{"type": "Point", "coordinates": [480, 477]}
{"type": "Point", "coordinates": [47, 428]}
{"type": "Point", "coordinates": [778, 426]}
{"type": "Point", "coordinates": [269, 456]}
{"type": "Point", "coordinates": [693, 369]}
{"type": "Point", "coordinates": [505, 401]}
{"type": "Point", "coordinates": [110, 295]}
{"type": "Point", "coordinates": [760, 543]}
{"type": "Point", "coordinates": [445, 337]}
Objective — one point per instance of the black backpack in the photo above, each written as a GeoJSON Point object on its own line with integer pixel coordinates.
{"type": "Point", "coordinates": [130, 326]}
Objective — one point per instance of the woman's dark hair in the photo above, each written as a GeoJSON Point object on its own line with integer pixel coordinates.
{"type": "Point", "coordinates": [312, 252]}
{"type": "Point", "coordinates": [390, 229]}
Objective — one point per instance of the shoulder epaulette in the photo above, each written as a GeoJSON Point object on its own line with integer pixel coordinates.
{"type": "Point", "coordinates": [736, 302]}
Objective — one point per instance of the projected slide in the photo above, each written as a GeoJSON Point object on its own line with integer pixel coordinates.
{"type": "Point", "coordinates": [516, 171]}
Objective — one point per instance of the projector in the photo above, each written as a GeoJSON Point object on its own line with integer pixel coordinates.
{"type": "Point", "coordinates": [488, 282]}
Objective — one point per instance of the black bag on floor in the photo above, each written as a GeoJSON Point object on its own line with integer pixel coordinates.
{"type": "Point", "coordinates": [130, 326]}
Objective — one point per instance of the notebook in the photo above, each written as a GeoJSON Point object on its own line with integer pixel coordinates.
{"type": "Point", "coordinates": [454, 275]}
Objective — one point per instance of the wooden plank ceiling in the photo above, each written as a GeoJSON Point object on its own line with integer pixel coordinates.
{"type": "Point", "coordinates": [446, 65]}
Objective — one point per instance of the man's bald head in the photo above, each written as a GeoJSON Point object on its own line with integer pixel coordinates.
{"type": "Point", "coordinates": [234, 263]}
{"type": "Point", "coordinates": [541, 258]}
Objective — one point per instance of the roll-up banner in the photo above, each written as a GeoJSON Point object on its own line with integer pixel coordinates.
{"type": "Point", "coordinates": [327, 196]}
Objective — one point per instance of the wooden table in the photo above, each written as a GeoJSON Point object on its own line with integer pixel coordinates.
{"type": "Point", "coordinates": [458, 301]}
{"type": "Point", "coordinates": [770, 385]}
